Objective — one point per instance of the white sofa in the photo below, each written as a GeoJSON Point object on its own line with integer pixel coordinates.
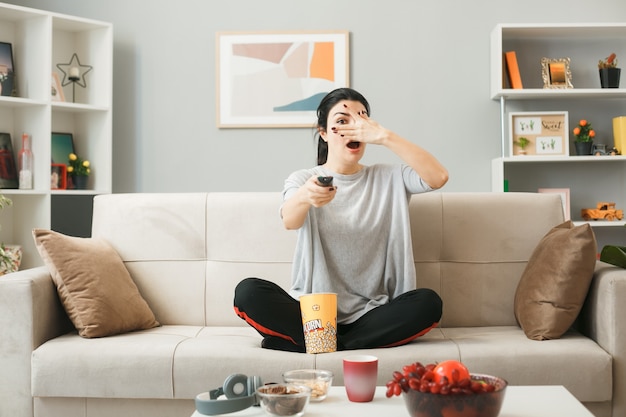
{"type": "Point", "coordinates": [186, 253]}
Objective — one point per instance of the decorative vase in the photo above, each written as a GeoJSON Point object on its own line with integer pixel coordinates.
{"type": "Point", "coordinates": [583, 148]}
{"type": "Point", "coordinates": [609, 77]}
{"type": "Point", "coordinates": [12, 264]}
{"type": "Point", "coordinates": [80, 182]}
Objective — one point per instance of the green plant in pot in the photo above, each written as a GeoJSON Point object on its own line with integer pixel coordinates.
{"type": "Point", "coordinates": [79, 169]}
{"type": "Point", "coordinates": [522, 142]}
{"type": "Point", "coordinates": [584, 134]}
{"type": "Point", "coordinates": [609, 73]}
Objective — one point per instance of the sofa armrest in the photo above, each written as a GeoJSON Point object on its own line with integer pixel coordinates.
{"type": "Point", "coordinates": [30, 314]}
{"type": "Point", "coordinates": [603, 320]}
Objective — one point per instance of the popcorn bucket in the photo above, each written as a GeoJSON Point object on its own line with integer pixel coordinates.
{"type": "Point", "coordinates": [319, 322]}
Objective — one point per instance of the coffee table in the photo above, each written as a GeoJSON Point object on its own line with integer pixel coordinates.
{"type": "Point", "coordinates": [520, 401]}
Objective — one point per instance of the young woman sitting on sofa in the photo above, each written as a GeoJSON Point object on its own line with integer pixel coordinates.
{"type": "Point", "coordinates": [353, 237]}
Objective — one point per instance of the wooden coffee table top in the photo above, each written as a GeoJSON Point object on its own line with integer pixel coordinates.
{"type": "Point", "coordinates": [520, 401]}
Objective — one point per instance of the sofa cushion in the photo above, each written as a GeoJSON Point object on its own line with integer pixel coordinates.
{"type": "Point", "coordinates": [467, 262]}
{"type": "Point", "coordinates": [554, 284]}
{"type": "Point", "coordinates": [505, 351]}
{"type": "Point", "coordinates": [165, 362]}
{"type": "Point", "coordinates": [93, 284]}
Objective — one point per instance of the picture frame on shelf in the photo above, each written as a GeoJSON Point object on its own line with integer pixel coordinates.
{"type": "Point", "coordinates": [8, 167]}
{"type": "Point", "coordinates": [56, 89]}
{"type": "Point", "coordinates": [277, 79]}
{"type": "Point", "coordinates": [8, 86]}
{"type": "Point", "coordinates": [61, 148]}
{"type": "Point", "coordinates": [556, 73]}
{"type": "Point", "coordinates": [564, 193]}
{"type": "Point", "coordinates": [58, 176]}
{"type": "Point", "coordinates": [538, 134]}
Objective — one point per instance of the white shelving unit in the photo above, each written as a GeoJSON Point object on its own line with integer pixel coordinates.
{"type": "Point", "coordinates": [589, 178]}
{"type": "Point", "coordinates": [41, 40]}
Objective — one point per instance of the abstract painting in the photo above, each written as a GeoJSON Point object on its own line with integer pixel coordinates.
{"type": "Point", "coordinates": [277, 79]}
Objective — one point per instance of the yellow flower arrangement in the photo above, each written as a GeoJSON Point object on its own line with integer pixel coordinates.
{"type": "Point", "coordinates": [78, 166]}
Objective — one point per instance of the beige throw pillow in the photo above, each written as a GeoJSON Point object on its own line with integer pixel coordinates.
{"type": "Point", "coordinates": [93, 284]}
{"type": "Point", "coordinates": [554, 284]}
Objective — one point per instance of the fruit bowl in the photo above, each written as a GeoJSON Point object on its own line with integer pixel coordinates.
{"type": "Point", "coordinates": [447, 389]}
{"type": "Point", "coordinates": [285, 400]}
{"type": "Point", "coordinates": [469, 404]}
{"type": "Point", "coordinates": [318, 380]}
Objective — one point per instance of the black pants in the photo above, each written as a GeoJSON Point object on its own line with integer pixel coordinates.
{"type": "Point", "coordinates": [275, 314]}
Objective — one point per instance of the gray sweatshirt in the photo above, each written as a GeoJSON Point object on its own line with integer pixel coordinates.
{"type": "Point", "coordinates": [359, 245]}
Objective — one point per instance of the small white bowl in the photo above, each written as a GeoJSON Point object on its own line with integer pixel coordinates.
{"type": "Point", "coordinates": [284, 400]}
{"type": "Point", "coordinates": [318, 380]}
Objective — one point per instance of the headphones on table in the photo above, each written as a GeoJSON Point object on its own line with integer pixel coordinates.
{"type": "Point", "coordinates": [240, 391]}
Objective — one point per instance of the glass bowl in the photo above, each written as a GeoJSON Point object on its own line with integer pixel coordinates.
{"type": "Point", "coordinates": [286, 400]}
{"type": "Point", "coordinates": [318, 380]}
{"type": "Point", "coordinates": [484, 404]}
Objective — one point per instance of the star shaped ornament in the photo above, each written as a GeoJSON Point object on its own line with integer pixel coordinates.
{"type": "Point", "coordinates": [74, 72]}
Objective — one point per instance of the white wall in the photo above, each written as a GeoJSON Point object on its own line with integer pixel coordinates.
{"type": "Point", "coordinates": [424, 67]}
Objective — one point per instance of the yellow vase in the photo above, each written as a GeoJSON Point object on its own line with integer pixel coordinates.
{"type": "Point", "coordinates": [619, 134]}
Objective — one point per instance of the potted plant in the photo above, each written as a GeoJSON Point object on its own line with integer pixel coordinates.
{"type": "Point", "coordinates": [609, 73]}
{"type": "Point", "coordinates": [10, 255]}
{"type": "Point", "coordinates": [79, 169]}
{"type": "Point", "coordinates": [584, 137]}
{"type": "Point", "coordinates": [522, 142]}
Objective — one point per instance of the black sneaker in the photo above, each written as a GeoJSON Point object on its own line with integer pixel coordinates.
{"type": "Point", "coordinates": [278, 343]}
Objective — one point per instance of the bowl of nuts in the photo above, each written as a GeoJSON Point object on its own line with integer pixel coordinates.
{"type": "Point", "coordinates": [318, 380]}
{"type": "Point", "coordinates": [285, 400]}
{"type": "Point", "coordinates": [447, 388]}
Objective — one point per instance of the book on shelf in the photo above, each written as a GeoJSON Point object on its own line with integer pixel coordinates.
{"type": "Point", "coordinates": [512, 70]}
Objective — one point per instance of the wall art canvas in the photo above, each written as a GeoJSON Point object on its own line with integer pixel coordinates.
{"type": "Point", "coordinates": [277, 79]}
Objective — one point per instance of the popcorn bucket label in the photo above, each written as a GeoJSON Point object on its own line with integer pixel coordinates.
{"type": "Point", "coordinates": [312, 325]}
{"type": "Point", "coordinates": [319, 322]}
